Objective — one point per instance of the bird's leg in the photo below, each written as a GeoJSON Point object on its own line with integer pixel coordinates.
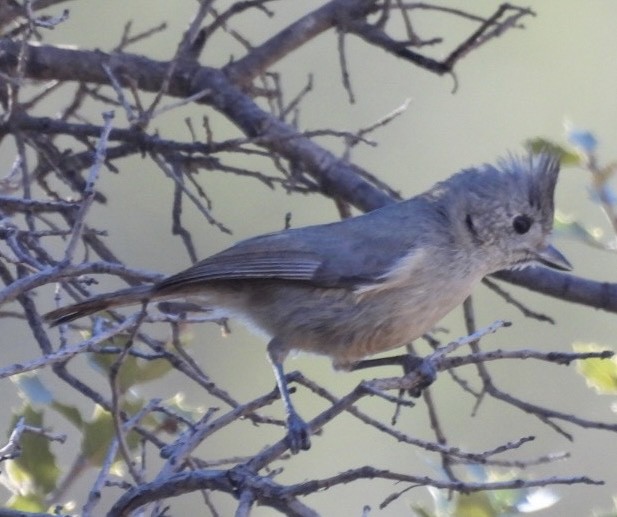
{"type": "Point", "coordinates": [297, 430]}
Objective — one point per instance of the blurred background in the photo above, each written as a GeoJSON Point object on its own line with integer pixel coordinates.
{"type": "Point", "coordinates": [528, 83]}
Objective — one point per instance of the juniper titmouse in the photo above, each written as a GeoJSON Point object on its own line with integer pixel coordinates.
{"type": "Point", "coordinates": [371, 283]}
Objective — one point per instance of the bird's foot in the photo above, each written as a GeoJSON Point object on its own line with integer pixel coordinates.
{"type": "Point", "coordinates": [298, 433]}
{"type": "Point", "coordinates": [424, 370]}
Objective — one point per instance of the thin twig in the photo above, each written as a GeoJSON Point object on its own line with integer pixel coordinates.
{"type": "Point", "coordinates": [88, 195]}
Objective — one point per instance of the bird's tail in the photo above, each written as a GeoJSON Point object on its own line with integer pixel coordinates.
{"type": "Point", "coordinates": [128, 296]}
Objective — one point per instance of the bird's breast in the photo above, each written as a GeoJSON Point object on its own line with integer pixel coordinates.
{"type": "Point", "coordinates": [348, 325]}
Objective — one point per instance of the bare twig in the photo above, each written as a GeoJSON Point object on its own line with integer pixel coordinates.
{"type": "Point", "coordinates": [88, 196]}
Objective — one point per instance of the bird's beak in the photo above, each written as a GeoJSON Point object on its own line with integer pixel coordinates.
{"type": "Point", "coordinates": [551, 257]}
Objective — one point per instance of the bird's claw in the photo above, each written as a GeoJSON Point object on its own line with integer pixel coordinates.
{"type": "Point", "coordinates": [298, 434]}
{"type": "Point", "coordinates": [424, 369]}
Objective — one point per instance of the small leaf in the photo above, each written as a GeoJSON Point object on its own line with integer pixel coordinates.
{"type": "Point", "coordinates": [27, 503]}
{"type": "Point", "coordinates": [582, 139]}
{"type": "Point", "coordinates": [536, 500]}
{"type": "Point", "coordinates": [600, 374]}
{"type": "Point", "coordinates": [542, 145]}
{"type": "Point", "coordinates": [31, 387]}
{"type": "Point", "coordinates": [71, 413]}
{"type": "Point", "coordinates": [100, 431]}
{"type": "Point", "coordinates": [133, 370]}
{"type": "Point", "coordinates": [35, 470]}
{"type": "Point", "coordinates": [151, 370]}
{"type": "Point", "coordinates": [477, 504]}
{"type": "Point", "coordinates": [97, 435]}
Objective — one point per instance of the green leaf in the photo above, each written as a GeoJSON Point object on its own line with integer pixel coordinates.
{"type": "Point", "coordinates": [152, 370]}
{"type": "Point", "coordinates": [477, 504]}
{"type": "Point", "coordinates": [566, 156]}
{"type": "Point", "coordinates": [27, 503]}
{"type": "Point", "coordinates": [97, 436]}
{"type": "Point", "coordinates": [600, 374]}
{"type": "Point", "coordinates": [133, 370]}
{"type": "Point", "coordinates": [35, 470]}
{"type": "Point", "coordinates": [71, 413]}
{"type": "Point", "coordinates": [100, 431]}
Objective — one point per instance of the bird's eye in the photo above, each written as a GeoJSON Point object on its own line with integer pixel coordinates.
{"type": "Point", "coordinates": [470, 226]}
{"type": "Point", "coordinates": [521, 224]}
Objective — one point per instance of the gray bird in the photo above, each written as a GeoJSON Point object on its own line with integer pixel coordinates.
{"type": "Point", "coordinates": [371, 283]}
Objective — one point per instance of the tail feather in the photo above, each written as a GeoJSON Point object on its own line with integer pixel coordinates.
{"type": "Point", "coordinates": [121, 298]}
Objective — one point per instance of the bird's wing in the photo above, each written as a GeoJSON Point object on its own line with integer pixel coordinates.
{"type": "Point", "coordinates": [250, 260]}
{"type": "Point", "coordinates": [349, 253]}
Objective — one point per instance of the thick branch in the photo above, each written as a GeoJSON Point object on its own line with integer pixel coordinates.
{"type": "Point", "coordinates": [260, 58]}
{"type": "Point", "coordinates": [336, 177]}
{"type": "Point", "coordinates": [601, 295]}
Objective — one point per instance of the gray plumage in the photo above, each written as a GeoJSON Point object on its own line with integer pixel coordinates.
{"type": "Point", "coordinates": [375, 282]}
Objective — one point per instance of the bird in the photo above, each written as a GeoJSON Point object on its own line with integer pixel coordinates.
{"type": "Point", "coordinates": [370, 283]}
